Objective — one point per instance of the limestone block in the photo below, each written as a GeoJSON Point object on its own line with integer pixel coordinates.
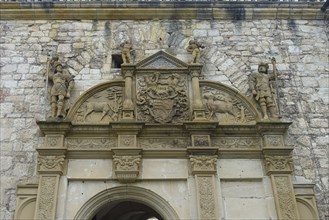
{"type": "Point", "coordinates": [239, 168]}
{"type": "Point", "coordinates": [237, 189]}
{"type": "Point", "coordinates": [246, 208]}
{"type": "Point", "coordinates": [84, 169]}
{"type": "Point", "coordinates": [164, 169]}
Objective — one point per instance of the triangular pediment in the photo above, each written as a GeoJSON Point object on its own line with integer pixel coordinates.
{"type": "Point", "coordinates": [161, 60]}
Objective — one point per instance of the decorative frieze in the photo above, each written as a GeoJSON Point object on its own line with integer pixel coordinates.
{"type": "Point", "coordinates": [89, 143]}
{"type": "Point", "coordinates": [163, 143]}
{"type": "Point", "coordinates": [278, 164]}
{"type": "Point", "coordinates": [127, 168]}
{"type": "Point", "coordinates": [51, 164]}
{"type": "Point", "coordinates": [203, 163]}
{"type": "Point", "coordinates": [237, 142]}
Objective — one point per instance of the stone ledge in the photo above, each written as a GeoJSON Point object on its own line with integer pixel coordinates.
{"type": "Point", "coordinates": [160, 10]}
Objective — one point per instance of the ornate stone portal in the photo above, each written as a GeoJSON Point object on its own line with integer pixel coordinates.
{"type": "Point", "coordinates": [159, 126]}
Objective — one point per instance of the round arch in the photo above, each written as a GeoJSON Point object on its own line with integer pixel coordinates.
{"type": "Point", "coordinates": [126, 193]}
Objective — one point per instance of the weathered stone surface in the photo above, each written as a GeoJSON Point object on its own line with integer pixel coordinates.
{"type": "Point", "coordinates": [232, 52]}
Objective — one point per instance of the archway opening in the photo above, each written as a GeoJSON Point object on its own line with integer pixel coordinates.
{"type": "Point", "coordinates": [127, 210]}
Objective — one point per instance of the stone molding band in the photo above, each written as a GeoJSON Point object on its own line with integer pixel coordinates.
{"type": "Point", "coordinates": [110, 11]}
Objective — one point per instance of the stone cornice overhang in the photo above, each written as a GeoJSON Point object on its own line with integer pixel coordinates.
{"type": "Point", "coordinates": [161, 10]}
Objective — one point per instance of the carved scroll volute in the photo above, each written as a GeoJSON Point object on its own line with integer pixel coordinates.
{"type": "Point", "coordinates": [203, 164]}
{"type": "Point", "coordinates": [127, 71]}
{"type": "Point", "coordinates": [198, 109]}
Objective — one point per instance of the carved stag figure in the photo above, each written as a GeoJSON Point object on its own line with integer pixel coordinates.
{"type": "Point", "coordinates": [218, 104]}
{"type": "Point", "coordinates": [103, 107]}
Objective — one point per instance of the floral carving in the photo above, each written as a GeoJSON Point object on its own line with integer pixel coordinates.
{"type": "Point", "coordinates": [201, 140]}
{"type": "Point", "coordinates": [163, 143]}
{"type": "Point", "coordinates": [206, 198]}
{"type": "Point", "coordinates": [278, 163]}
{"type": "Point", "coordinates": [53, 141]}
{"type": "Point", "coordinates": [203, 163]}
{"type": "Point", "coordinates": [51, 163]}
{"type": "Point", "coordinates": [47, 197]}
{"type": "Point", "coordinates": [127, 140]}
{"type": "Point", "coordinates": [222, 107]}
{"type": "Point", "coordinates": [285, 198]}
{"type": "Point", "coordinates": [162, 98]}
{"type": "Point", "coordinates": [274, 140]}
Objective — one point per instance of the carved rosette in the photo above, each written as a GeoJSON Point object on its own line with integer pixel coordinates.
{"type": "Point", "coordinates": [223, 107]}
{"type": "Point", "coordinates": [127, 168]}
{"type": "Point", "coordinates": [54, 141]}
{"type": "Point", "coordinates": [273, 141]}
{"type": "Point", "coordinates": [278, 164]}
{"type": "Point", "coordinates": [47, 197]}
{"type": "Point", "coordinates": [162, 98]}
{"type": "Point", "coordinates": [203, 164]}
{"type": "Point", "coordinates": [285, 198]}
{"type": "Point", "coordinates": [51, 164]}
{"type": "Point", "coordinates": [206, 200]}
{"type": "Point", "coordinates": [127, 140]}
{"type": "Point", "coordinates": [200, 140]}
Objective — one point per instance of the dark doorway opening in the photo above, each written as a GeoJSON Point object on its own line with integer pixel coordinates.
{"type": "Point", "coordinates": [127, 211]}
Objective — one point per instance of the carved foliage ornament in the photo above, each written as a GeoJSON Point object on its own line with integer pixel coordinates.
{"type": "Point", "coordinates": [162, 98]}
{"type": "Point", "coordinates": [278, 163]}
{"type": "Point", "coordinates": [206, 198]}
{"type": "Point", "coordinates": [51, 163]}
{"type": "Point", "coordinates": [89, 143]}
{"type": "Point", "coordinates": [47, 197]}
{"type": "Point", "coordinates": [203, 163]}
{"type": "Point", "coordinates": [222, 107]}
{"type": "Point", "coordinates": [236, 142]}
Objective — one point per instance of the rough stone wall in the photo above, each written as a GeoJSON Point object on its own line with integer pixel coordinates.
{"type": "Point", "coordinates": [232, 52]}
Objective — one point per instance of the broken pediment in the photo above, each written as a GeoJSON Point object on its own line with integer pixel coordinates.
{"type": "Point", "coordinates": [161, 60]}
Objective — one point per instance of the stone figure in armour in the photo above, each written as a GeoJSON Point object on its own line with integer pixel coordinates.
{"type": "Point", "coordinates": [194, 48]}
{"type": "Point", "coordinates": [263, 92]}
{"type": "Point", "coordinates": [126, 51]}
{"type": "Point", "coordinates": [63, 83]}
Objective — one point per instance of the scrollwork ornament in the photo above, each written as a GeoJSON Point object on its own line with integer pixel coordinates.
{"type": "Point", "coordinates": [47, 197]}
{"type": "Point", "coordinates": [127, 163]}
{"type": "Point", "coordinates": [206, 198]}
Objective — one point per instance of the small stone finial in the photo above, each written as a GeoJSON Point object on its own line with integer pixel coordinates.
{"type": "Point", "coordinates": [194, 48]}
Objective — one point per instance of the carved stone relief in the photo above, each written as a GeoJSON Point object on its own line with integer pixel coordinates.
{"type": "Point", "coordinates": [51, 163]}
{"type": "Point", "coordinates": [127, 168]}
{"type": "Point", "coordinates": [285, 198]}
{"type": "Point", "coordinates": [47, 197]}
{"type": "Point", "coordinates": [200, 140]}
{"type": "Point", "coordinates": [207, 203]}
{"type": "Point", "coordinates": [127, 140]}
{"type": "Point", "coordinates": [274, 141]}
{"type": "Point", "coordinates": [203, 163]}
{"type": "Point", "coordinates": [54, 141]}
{"type": "Point", "coordinates": [89, 143]}
{"type": "Point", "coordinates": [222, 107]}
{"type": "Point", "coordinates": [104, 106]}
{"type": "Point", "coordinates": [278, 164]}
{"type": "Point", "coordinates": [236, 142]}
{"type": "Point", "coordinates": [162, 98]}
{"type": "Point", "coordinates": [163, 143]}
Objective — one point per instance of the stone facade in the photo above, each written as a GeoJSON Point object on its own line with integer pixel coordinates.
{"type": "Point", "coordinates": [233, 50]}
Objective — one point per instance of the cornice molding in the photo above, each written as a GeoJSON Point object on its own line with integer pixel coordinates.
{"type": "Point", "coordinates": [160, 10]}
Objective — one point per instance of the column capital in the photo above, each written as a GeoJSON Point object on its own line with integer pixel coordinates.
{"type": "Point", "coordinates": [278, 164]}
{"type": "Point", "coordinates": [203, 164]}
{"type": "Point", "coordinates": [51, 164]}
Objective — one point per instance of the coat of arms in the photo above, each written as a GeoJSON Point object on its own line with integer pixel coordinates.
{"type": "Point", "coordinates": [162, 98]}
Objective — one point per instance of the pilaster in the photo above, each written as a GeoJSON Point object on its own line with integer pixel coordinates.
{"type": "Point", "coordinates": [127, 71]}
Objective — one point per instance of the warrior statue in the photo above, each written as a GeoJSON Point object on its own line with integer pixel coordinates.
{"type": "Point", "coordinates": [126, 51]}
{"type": "Point", "coordinates": [194, 48]}
{"type": "Point", "coordinates": [262, 89]}
{"type": "Point", "coordinates": [63, 83]}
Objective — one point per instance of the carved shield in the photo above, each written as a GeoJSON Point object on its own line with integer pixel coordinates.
{"type": "Point", "coordinates": [162, 110]}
